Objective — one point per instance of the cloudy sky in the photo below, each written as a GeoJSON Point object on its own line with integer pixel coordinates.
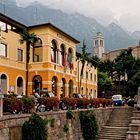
{"type": "Point", "coordinates": [123, 12]}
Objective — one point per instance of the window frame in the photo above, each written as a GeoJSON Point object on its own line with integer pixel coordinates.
{"type": "Point", "coordinates": [5, 49]}
{"type": "Point", "coordinates": [20, 51]}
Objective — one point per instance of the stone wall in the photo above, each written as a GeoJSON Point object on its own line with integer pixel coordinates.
{"type": "Point", "coordinates": [11, 125]}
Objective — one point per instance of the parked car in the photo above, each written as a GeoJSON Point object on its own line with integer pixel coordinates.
{"type": "Point", "coordinates": [117, 100]}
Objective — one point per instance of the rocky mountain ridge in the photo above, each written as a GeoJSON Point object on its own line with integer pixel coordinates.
{"type": "Point", "coordinates": [76, 25]}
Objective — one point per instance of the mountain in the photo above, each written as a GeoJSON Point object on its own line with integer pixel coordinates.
{"type": "Point", "coordinates": [77, 25]}
{"type": "Point", "coordinates": [119, 37]}
{"type": "Point", "coordinates": [136, 35]}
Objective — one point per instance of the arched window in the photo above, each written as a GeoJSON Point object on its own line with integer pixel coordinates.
{"type": "Point", "coordinates": [70, 57]}
{"type": "Point", "coordinates": [70, 88]}
{"type": "Point", "coordinates": [91, 94]}
{"type": "Point", "coordinates": [54, 52]}
{"type": "Point", "coordinates": [38, 51]}
{"type": "Point", "coordinates": [37, 84]}
{"type": "Point", "coordinates": [19, 86]}
{"type": "Point", "coordinates": [62, 88]}
{"type": "Point", "coordinates": [54, 85]}
{"type": "Point", "coordinates": [82, 91]}
{"type": "Point", "coordinates": [62, 55]}
{"type": "Point", "coordinates": [87, 92]}
{"type": "Point", "coordinates": [3, 83]}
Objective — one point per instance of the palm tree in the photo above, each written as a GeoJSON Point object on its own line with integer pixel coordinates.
{"type": "Point", "coordinates": [95, 61]}
{"type": "Point", "coordinates": [30, 39]}
{"type": "Point", "coordinates": [83, 58]}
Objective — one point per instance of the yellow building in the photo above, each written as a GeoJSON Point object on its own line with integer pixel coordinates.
{"type": "Point", "coordinates": [12, 64]}
{"type": "Point", "coordinates": [52, 65]}
{"type": "Point", "coordinates": [89, 79]}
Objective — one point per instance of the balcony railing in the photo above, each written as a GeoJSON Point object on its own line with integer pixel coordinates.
{"type": "Point", "coordinates": [12, 63]}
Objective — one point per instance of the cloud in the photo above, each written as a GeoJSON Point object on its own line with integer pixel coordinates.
{"type": "Point", "coordinates": [124, 12]}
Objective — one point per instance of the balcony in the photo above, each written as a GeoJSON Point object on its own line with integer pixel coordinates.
{"type": "Point", "coordinates": [51, 66]}
{"type": "Point", "coordinates": [11, 63]}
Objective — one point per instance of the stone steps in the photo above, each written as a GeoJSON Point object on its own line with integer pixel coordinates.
{"type": "Point", "coordinates": [134, 127]}
{"type": "Point", "coordinates": [133, 135]}
{"type": "Point", "coordinates": [117, 126]}
{"type": "Point", "coordinates": [135, 120]}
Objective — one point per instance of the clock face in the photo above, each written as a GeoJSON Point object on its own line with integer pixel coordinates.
{"type": "Point", "coordinates": [12, 88]}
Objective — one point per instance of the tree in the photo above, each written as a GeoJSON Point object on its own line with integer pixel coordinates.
{"type": "Point", "coordinates": [124, 64]}
{"type": "Point", "coordinates": [108, 67]}
{"type": "Point", "coordinates": [104, 82]}
{"type": "Point", "coordinates": [95, 61]}
{"type": "Point", "coordinates": [30, 39]}
{"type": "Point", "coordinates": [124, 68]}
{"type": "Point", "coordinates": [83, 58]}
{"type": "Point", "coordinates": [134, 83]}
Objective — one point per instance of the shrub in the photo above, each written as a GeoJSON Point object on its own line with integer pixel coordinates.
{"type": "Point", "coordinates": [69, 114]}
{"type": "Point", "coordinates": [12, 104]}
{"type": "Point", "coordinates": [70, 102]}
{"type": "Point", "coordinates": [15, 105]}
{"type": "Point", "coordinates": [28, 104]}
{"type": "Point", "coordinates": [35, 128]}
{"type": "Point", "coordinates": [96, 102]}
{"type": "Point", "coordinates": [52, 122]}
{"type": "Point", "coordinates": [56, 101]}
{"type": "Point", "coordinates": [67, 101]}
{"type": "Point", "coordinates": [102, 101]}
{"type": "Point", "coordinates": [49, 102]}
{"type": "Point", "coordinates": [88, 125]}
{"type": "Point", "coordinates": [85, 102]}
{"type": "Point", "coordinates": [92, 101]}
{"type": "Point", "coordinates": [110, 102]}
{"type": "Point", "coordinates": [66, 127]}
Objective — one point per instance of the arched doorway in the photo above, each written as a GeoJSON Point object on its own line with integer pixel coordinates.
{"type": "Point", "coordinates": [70, 88]}
{"type": "Point", "coordinates": [62, 84]}
{"type": "Point", "coordinates": [19, 86]}
{"type": "Point", "coordinates": [3, 83]}
{"type": "Point", "coordinates": [37, 84]}
{"type": "Point", "coordinates": [54, 85]}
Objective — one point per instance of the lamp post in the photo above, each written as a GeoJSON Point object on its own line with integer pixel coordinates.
{"type": "Point", "coordinates": [1, 103]}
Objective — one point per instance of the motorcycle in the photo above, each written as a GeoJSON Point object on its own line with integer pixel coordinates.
{"type": "Point", "coordinates": [62, 105]}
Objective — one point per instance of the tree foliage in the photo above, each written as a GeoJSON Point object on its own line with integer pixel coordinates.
{"type": "Point", "coordinates": [107, 67]}
{"type": "Point", "coordinates": [88, 125]}
{"type": "Point", "coordinates": [123, 71]}
{"type": "Point", "coordinates": [104, 82]}
{"type": "Point", "coordinates": [134, 83]}
{"type": "Point", "coordinates": [30, 39]}
{"type": "Point", "coordinates": [35, 128]}
{"type": "Point", "coordinates": [124, 64]}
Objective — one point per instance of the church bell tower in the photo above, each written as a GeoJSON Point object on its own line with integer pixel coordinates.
{"type": "Point", "coordinates": [98, 45]}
